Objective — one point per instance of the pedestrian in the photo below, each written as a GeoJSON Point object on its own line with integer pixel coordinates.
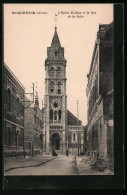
{"type": "Point", "coordinates": [54, 153]}
{"type": "Point", "coordinates": [67, 152]}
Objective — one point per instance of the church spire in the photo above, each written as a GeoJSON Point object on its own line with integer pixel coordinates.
{"type": "Point", "coordinates": [55, 40]}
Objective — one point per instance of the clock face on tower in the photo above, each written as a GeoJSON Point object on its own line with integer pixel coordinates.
{"type": "Point", "coordinates": [55, 104]}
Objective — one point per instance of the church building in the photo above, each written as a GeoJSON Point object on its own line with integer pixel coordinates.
{"type": "Point", "coordinates": [62, 130]}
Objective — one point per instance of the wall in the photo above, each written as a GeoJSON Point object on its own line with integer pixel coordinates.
{"type": "Point", "coordinates": [13, 114]}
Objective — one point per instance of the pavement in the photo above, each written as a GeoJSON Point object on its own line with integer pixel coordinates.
{"type": "Point", "coordinates": [11, 163]}
{"type": "Point", "coordinates": [84, 167]}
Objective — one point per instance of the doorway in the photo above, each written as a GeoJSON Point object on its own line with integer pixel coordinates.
{"type": "Point", "coordinates": [55, 141]}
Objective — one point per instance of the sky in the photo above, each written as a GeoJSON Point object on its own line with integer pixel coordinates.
{"type": "Point", "coordinates": [27, 36]}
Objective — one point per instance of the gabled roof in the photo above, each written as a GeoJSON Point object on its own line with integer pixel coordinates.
{"type": "Point", "coordinates": [55, 40]}
{"type": "Point", "coordinates": [72, 120]}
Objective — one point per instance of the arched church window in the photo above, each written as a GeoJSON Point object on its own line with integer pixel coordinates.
{"type": "Point", "coordinates": [59, 71]}
{"type": "Point", "coordinates": [51, 114]}
{"type": "Point", "coordinates": [59, 83]}
{"type": "Point", "coordinates": [74, 137]}
{"type": "Point", "coordinates": [59, 91]}
{"type": "Point", "coordinates": [59, 114]}
{"type": "Point", "coordinates": [55, 115]}
{"type": "Point", "coordinates": [51, 89]}
{"type": "Point", "coordinates": [52, 83]}
{"type": "Point", "coordinates": [56, 53]}
{"type": "Point", "coordinates": [52, 72]}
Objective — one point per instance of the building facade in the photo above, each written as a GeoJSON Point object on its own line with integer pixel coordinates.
{"type": "Point", "coordinates": [33, 128]}
{"type": "Point", "coordinates": [57, 130]}
{"type": "Point", "coordinates": [99, 92]}
{"type": "Point", "coordinates": [13, 127]}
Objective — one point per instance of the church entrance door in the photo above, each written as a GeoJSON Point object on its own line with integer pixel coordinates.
{"type": "Point", "coordinates": [55, 141]}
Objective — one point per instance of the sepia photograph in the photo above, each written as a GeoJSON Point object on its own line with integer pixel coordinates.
{"type": "Point", "coordinates": [58, 88]}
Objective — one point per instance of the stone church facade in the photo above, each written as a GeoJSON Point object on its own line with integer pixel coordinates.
{"type": "Point", "coordinates": [62, 130]}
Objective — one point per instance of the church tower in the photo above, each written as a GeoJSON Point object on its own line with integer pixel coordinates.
{"type": "Point", "coordinates": [55, 98]}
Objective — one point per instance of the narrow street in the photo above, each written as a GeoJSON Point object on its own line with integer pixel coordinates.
{"type": "Point", "coordinates": [62, 165]}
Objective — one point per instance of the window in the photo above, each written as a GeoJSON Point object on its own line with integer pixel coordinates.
{"type": "Point", "coordinates": [52, 71]}
{"type": "Point", "coordinates": [51, 114]}
{"type": "Point", "coordinates": [21, 109]}
{"type": "Point", "coordinates": [59, 83]}
{"type": "Point", "coordinates": [58, 71]}
{"type": "Point", "coordinates": [56, 53]}
{"type": "Point", "coordinates": [52, 87]}
{"type": "Point", "coordinates": [18, 109]}
{"type": "Point", "coordinates": [59, 114]}
{"type": "Point", "coordinates": [74, 137]}
{"type": "Point", "coordinates": [59, 87]}
{"type": "Point", "coordinates": [55, 115]}
{"type": "Point", "coordinates": [52, 83]}
{"type": "Point", "coordinates": [5, 96]}
{"type": "Point", "coordinates": [59, 91]}
{"type": "Point", "coordinates": [9, 99]}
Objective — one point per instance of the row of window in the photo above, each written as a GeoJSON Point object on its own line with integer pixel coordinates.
{"type": "Point", "coordinates": [52, 90]}
{"type": "Point", "coordinates": [13, 102]}
{"type": "Point", "coordinates": [55, 115]}
{"type": "Point", "coordinates": [52, 87]}
{"type": "Point", "coordinates": [56, 127]}
{"type": "Point", "coordinates": [11, 138]}
{"type": "Point", "coordinates": [53, 72]}
{"type": "Point", "coordinates": [74, 128]}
